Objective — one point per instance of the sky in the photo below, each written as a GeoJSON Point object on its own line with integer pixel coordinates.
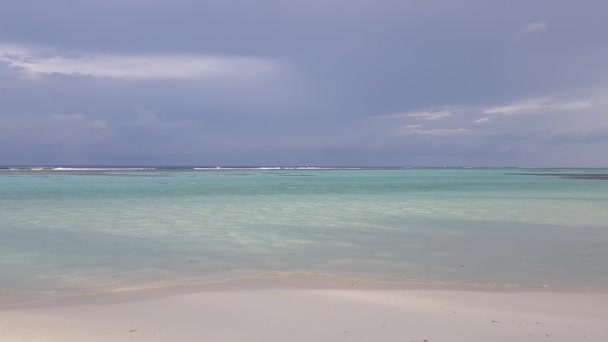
{"type": "Point", "coordinates": [333, 82]}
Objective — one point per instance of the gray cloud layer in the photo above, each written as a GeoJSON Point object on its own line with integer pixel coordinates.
{"type": "Point", "coordinates": [323, 83]}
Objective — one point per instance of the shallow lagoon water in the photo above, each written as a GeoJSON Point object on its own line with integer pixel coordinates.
{"type": "Point", "coordinates": [81, 230]}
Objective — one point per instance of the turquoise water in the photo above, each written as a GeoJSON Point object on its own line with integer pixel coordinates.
{"type": "Point", "coordinates": [76, 230]}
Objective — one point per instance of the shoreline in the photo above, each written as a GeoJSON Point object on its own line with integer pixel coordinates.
{"type": "Point", "coordinates": [292, 308]}
{"type": "Point", "coordinates": [266, 282]}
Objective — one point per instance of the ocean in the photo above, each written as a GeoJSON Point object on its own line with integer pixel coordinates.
{"type": "Point", "coordinates": [74, 230]}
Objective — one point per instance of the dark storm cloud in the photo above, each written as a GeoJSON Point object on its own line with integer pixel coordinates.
{"type": "Point", "coordinates": [275, 82]}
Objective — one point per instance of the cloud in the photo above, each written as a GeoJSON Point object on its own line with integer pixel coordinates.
{"type": "Point", "coordinates": [138, 66]}
{"type": "Point", "coordinates": [100, 124]}
{"type": "Point", "coordinates": [72, 131]}
{"type": "Point", "coordinates": [442, 131]}
{"type": "Point", "coordinates": [263, 85]}
{"type": "Point", "coordinates": [535, 26]}
{"type": "Point", "coordinates": [425, 115]}
{"type": "Point", "coordinates": [67, 117]}
{"type": "Point", "coordinates": [481, 120]}
{"type": "Point", "coordinates": [79, 119]}
{"type": "Point", "coordinates": [597, 135]}
{"type": "Point", "coordinates": [525, 106]}
{"type": "Point", "coordinates": [532, 120]}
{"type": "Point", "coordinates": [535, 106]}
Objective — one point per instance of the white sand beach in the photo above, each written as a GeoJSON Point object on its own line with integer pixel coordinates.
{"type": "Point", "coordinates": [293, 311]}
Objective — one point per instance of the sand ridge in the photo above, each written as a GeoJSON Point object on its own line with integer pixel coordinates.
{"type": "Point", "coordinates": [298, 313]}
